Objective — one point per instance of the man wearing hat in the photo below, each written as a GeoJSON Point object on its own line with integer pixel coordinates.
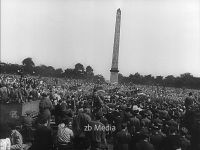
{"type": "Point", "coordinates": [172, 141]}
{"type": "Point", "coordinates": [122, 139]}
{"type": "Point", "coordinates": [189, 101]}
{"type": "Point", "coordinates": [45, 108]}
{"type": "Point", "coordinates": [144, 143]}
{"type": "Point", "coordinates": [135, 122]}
{"type": "Point", "coordinates": [97, 135]}
{"type": "Point", "coordinates": [157, 136]}
{"type": "Point", "coordinates": [145, 121]}
{"type": "Point", "coordinates": [43, 137]}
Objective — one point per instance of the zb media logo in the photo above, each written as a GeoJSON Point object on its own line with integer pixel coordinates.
{"type": "Point", "coordinates": [99, 128]}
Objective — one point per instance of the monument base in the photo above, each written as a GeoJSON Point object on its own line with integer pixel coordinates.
{"type": "Point", "coordinates": [113, 77]}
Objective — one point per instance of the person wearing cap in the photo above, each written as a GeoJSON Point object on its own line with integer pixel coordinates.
{"type": "Point", "coordinates": [157, 119]}
{"type": "Point", "coordinates": [43, 137]}
{"type": "Point", "coordinates": [185, 142]}
{"type": "Point", "coordinates": [145, 121]}
{"type": "Point", "coordinates": [144, 143]}
{"type": "Point", "coordinates": [172, 141]}
{"type": "Point", "coordinates": [45, 108]}
{"type": "Point", "coordinates": [57, 112]}
{"type": "Point", "coordinates": [135, 122]}
{"type": "Point", "coordinates": [15, 94]}
{"type": "Point", "coordinates": [97, 101]}
{"type": "Point", "coordinates": [4, 93]}
{"type": "Point", "coordinates": [122, 139]}
{"type": "Point", "coordinates": [157, 136]}
{"type": "Point", "coordinates": [97, 135]}
{"type": "Point", "coordinates": [27, 130]}
{"type": "Point", "coordinates": [81, 140]}
{"type": "Point", "coordinates": [189, 101]}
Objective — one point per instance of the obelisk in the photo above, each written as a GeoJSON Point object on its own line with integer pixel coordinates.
{"type": "Point", "coordinates": [114, 68]}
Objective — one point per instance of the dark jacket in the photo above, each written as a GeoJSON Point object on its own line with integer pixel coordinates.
{"type": "Point", "coordinates": [122, 140]}
{"type": "Point", "coordinates": [43, 139]}
{"type": "Point", "coordinates": [143, 145]}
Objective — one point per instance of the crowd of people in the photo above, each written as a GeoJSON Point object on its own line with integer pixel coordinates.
{"type": "Point", "coordinates": [79, 115]}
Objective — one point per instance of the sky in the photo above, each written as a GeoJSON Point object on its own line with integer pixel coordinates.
{"type": "Point", "coordinates": [158, 37]}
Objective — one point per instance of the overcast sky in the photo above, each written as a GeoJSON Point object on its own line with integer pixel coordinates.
{"type": "Point", "coordinates": [159, 37]}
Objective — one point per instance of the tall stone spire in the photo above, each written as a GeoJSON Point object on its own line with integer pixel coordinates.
{"type": "Point", "coordinates": [114, 68]}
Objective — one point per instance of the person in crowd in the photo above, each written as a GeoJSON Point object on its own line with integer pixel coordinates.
{"type": "Point", "coordinates": [5, 143]}
{"type": "Point", "coordinates": [122, 139]}
{"type": "Point", "coordinates": [185, 142]}
{"type": "Point", "coordinates": [134, 122]}
{"type": "Point", "coordinates": [156, 113]}
{"type": "Point", "coordinates": [97, 133]}
{"type": "Point", "coordinates": [172, 141]}
{"type": "Point", "coordinates": [15, 137]}
{"type": "Point", "coordinates": [143, 143]}
{"type": "Point", "coordinates": [45, 108]}
{"type": "Point", "coordinates": [146, 122]}
{"type": "Point", "coordinates": [65, 134]}
{"type": "Point", "coordinates": [43, 137]}
{"type": "Point", "coordinates": [27, 128]}
{"type": "Point", "coordinates": [80, 122]}
{"type": "Point", "coordinates": [4, 93]}
{"type": "Point", "coordinates": [157, 136]}
{"type": "Point", "coordinates": [189, 101]}
{"type": "Point", "coordinates": [57, 112]}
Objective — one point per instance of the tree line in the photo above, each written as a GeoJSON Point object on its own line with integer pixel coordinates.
{"type": "Point", "coordinates": [28, 66]}
{"type": "Point", "coordinates": [185, 80]}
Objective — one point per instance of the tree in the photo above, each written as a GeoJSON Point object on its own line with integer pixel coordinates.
{"type": "Point", "coordinates": [170, 80]}
{"type": "Point", "coordinates": [79, 67]}
{"type": "Point", "coordinates": [89, 71]}
{"type": "Point", "coordinates": [186, 75]}
{"type": "Point", "coordinates": [159, 80]}
{"type": "Point", "coordinates": [69, 73]}
{"type": "Point", "coordinates": [99, 79]}
{"type": "Point", "coordinates": [28, 65]}
{"type": "Point", "coordinates": [187, 80]}
{"type": "Point", "coordinates": [136, 78]}
{"type": "Point", "coordinates": [149, 79]}
{"type": "Point", "coordinates": [58, 72]}
{"type": "Point", "coordinates": [120, 78]}
{"type": "Point", "coordinates": [41, 70]}
{"type": "Point", "coordinates": [14, 68]}
{"type": "Point", "coordinates": [79, 70]}
{"type": "Point", "coordinates": [50, 71]}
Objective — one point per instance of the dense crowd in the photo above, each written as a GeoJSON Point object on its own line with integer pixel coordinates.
{"type": "Point", "coordinates": [79, 115]}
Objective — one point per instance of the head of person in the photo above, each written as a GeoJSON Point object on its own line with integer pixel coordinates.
{"type": "Point", "coordinates": [172, 130]}
{"type": "Point", "coordinates": [98, 115]}
{"type": "Point", "coordinates": [124, 126]}
{"type": "Point", "coordinates": [44, 94]}
{"type": "Point", "coordinates": [144, 134]}
{"type": "Point", "coordinates": [65, 120]}
{"type": "Point", "coordinates": [43, 121]}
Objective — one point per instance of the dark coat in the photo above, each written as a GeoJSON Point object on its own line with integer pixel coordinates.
{"type": "Point", "coordinates": [122, 141]}
{"type": "Point", "coordinates": [43, 139]}
{"type": "Point", "coordinates": [143, 145]}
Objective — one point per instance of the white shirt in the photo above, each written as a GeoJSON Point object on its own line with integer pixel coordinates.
{"type": "Point", "coordinates": [5, 144]}
{"type": "Point", "coordinates": [64, 133]}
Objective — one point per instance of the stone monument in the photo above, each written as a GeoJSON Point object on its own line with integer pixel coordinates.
{"type": "Point", "coordinates": [114, 68]}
